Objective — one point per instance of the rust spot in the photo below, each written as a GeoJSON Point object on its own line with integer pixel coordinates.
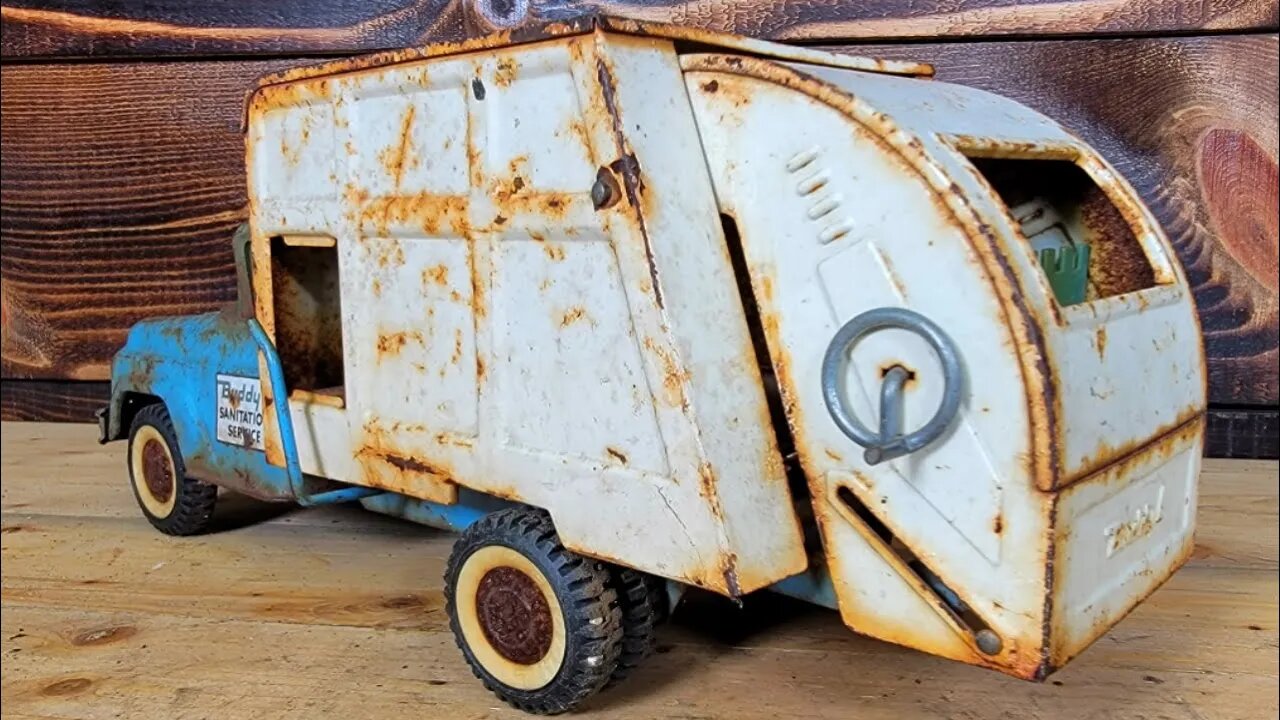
{"type": "Point", "coordinates": [103, 636]}
{"type": "Point", "coordinates": [478, 307]}
{"type": "Point", "coordinates": [833, 454]}
{"type": "Point", "coordinates": [616, 454]}
{"type": "Point", "coordinates": [157, 471]}
{"type": "Point", "coordinates": [390, 254]}
{"type": "Point", "coordinates": [707, 488]}
{"type": "Point", "coordinates": [436, 274]}
{"type": "Point", "coordinates": [766, 288]}
{"type": "Point", "coordinates": [141, 373]}
{"type": "Point", "coordinates": [480, 368]}
{"type": "Point", "coordinates": [504, 191]}
{"type": "Point", "coordinates": [998, 525]}
{"type": "Point", "coordinates": [411, 464]}
{"type": "Point", "coordinates": [292, 155]}
{"type": "Point", "coordinates": [573, 315]}
{"type": "Point", "coordinates": [674, 376]}
{"type": "Point", "coordinates": [629, 168]}
{"type": "Point", "coordinates": [356, 196]}
{"type": "Point", "coordinates": [553, 251]}
{"type": "Point", "coordinates": [731, 91]}
{"type": "Point", "coordinates": [907, 384]}
{"type": "Point", "coordinates": [505, 74]}
{"type": "Point", "coordinates": [393, 158]}
{"type": "Point", "coordinates": [69, 686]}
{"type": "Point", "coordinates": [393, 342]}
{"type": "Point", "coordinates": [1119, 264]}
{"type": "Point", "coordinates": [579, 131]}
{"type": "Point", "coordinates": [1100, 340]}
{"type": "Point", "coordinates": [435, 215]}
{"type": "Point", "coordinates": [728, 569]}
{"type": "Point", "coordinates": [514, 615]}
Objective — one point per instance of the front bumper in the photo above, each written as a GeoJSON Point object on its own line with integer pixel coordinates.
{"type": "Point", "coordinates": [103, 415]}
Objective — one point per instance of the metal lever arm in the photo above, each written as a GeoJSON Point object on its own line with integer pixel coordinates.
{"type": "Point", "coordinates": [890, 442]}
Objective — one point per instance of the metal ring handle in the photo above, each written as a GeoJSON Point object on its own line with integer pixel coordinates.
{"type": "Point", "coordinates": [889, 442]}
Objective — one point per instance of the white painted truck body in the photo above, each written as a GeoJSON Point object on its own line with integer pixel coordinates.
{"type": "Point", "coordinates": [502, 330]}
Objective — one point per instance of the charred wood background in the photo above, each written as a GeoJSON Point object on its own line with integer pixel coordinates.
{"type": "Point", "coordinates": [122, 174]}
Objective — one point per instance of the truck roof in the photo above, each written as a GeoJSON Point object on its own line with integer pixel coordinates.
{"type": "Point", "coordinates": [690, 38]}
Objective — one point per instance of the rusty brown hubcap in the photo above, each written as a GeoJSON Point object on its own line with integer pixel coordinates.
{"type": "Point", "coordinates": [157, 473]}
{"type": "Point", "coordinates": [514, 615]}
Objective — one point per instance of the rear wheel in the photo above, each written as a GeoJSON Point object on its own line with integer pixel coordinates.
{"type": "Point", "coordinates": [174, 503]}
{"type": "Point", "coordinates": [539, 624]}
{"type": "Point", "coordinates": [642, 599]}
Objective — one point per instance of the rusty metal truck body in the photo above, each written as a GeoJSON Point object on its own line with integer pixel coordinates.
{"type": "Point", "coordinates": [606, 270]}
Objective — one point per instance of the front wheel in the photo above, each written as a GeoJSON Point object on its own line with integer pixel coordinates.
{"type": "Point", "coordinates": [539, 625]}
{"type": "Point", "coordinates": [174, 503]}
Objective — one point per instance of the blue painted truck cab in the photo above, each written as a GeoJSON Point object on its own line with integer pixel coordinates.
{"type": "Point", "coordinates": [204, 368]}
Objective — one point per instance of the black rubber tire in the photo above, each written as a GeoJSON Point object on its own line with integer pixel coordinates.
{"type": "Point", "coordinates": [591, 615]}
{"type": "Point", "coordinates": [643, 602]}
{"type": "Point", "coordinates": [193, 507]}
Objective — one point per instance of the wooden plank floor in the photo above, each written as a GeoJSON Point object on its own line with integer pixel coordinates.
{"type": "Point", "coordinates": [335, 612]}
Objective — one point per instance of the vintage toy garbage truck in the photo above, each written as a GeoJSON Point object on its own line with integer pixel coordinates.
{"type": "Point", "coordinates": [637, 308]}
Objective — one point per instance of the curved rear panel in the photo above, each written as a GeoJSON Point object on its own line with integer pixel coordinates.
{"type": "Point", "coordinates": [855, 191]}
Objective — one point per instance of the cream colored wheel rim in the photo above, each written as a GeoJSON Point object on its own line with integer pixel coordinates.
{"type": "Point", "coordinates": [144, 456]}
{"type": "Point", "coordinates": [494, 563]}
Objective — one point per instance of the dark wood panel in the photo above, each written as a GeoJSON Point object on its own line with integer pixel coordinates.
{"type": "Point", "coordinates": [121, 184]}
{"type": "Point", "coordinates": [102, 28]}
{"type": "Point", "coordinates": [1243, 433]}
{"type": "Point", "coordinates": [51, 400]}
{"type": "Point", "coordinates": [1192, 123]}
{"type": "Point", "coordinates": [99, 28]}
{"type": "Point", "coordinates": [120, 188]}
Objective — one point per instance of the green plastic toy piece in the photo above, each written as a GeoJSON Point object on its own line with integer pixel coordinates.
{"type": "Point", "coordinates": [1068, 271]}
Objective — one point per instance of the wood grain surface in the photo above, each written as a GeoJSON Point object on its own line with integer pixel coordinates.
{"type": "Point", "coordinates": [55, 400]}
{"type": "Point", "coordinates": [121, 185]}
{"type": "Point", "coordinates": [335, 612]}
{"type": "Point", "coordinates": [97, 28]}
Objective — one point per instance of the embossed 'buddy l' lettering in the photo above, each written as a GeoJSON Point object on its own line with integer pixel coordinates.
{"type": "Point", "coordinates": [637, 307]}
